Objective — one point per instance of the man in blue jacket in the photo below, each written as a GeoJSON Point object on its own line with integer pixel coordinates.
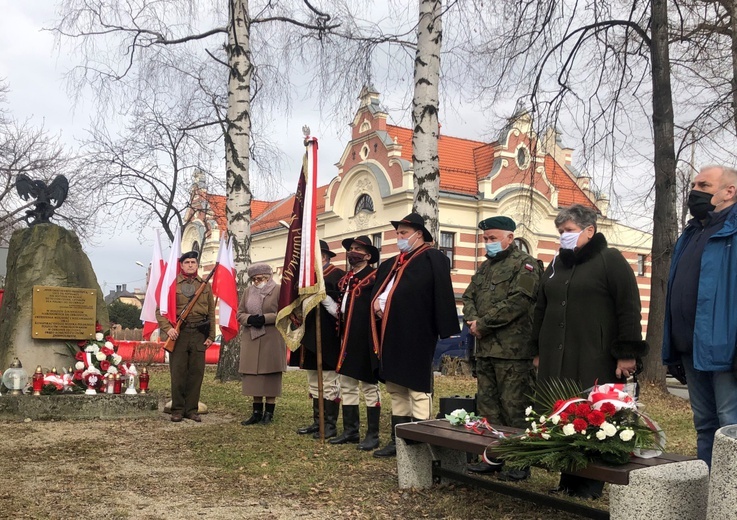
{"type": "Point", "coordinates": [701, 316]}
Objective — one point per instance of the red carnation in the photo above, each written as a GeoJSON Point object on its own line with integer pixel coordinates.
{"type": "Point", "coordinates": [580, 425]}
{"type": "Point", "coordinates": [79, 356]}
{"type": "Point", "coordinates": [107, 351]}
{"type": "Point", "coordinates": [596, 418]}
{"type": "Point", "coordinates": [563, 417]}
{"type": "Point", "coordinates": [608, 409]}
{"type": "Point", "coordinates": [583, 409]}
{"type": "Point", "coordinates": [558, 405]}
{"type": "Point", "coordinates": [98, 327]}
{"type": "Point", "coordinates": [104, 365]}
{"type": "Point", "coordinates": [82, 343]}
{"type": "Point", "coordinates": [77, 375]}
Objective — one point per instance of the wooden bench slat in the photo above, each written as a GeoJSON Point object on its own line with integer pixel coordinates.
{"type": "Point", "coordinates": [441, 433]}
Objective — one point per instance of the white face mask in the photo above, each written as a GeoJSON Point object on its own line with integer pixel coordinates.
{"type": "Point", "coordinates": [569, 240]}
{"type": "Point", "coordinates": [259, 285]}
{"type": "Point", "coordinates": [403, 245]}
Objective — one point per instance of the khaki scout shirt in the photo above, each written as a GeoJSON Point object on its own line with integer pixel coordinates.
{"type": "Point", "coordinates": [501, 298]}
{"type": "Point", "coordinates": [203, 309]}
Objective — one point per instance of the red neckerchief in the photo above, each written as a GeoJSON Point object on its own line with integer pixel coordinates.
{"type": "Point", "coordinates": [189, 276]}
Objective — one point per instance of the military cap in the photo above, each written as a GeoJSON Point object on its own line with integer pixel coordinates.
{"type": "Point", "coordinates": [500, 222]}
{"type": "Point", "coordinates": [326, 249]}
{"type": "Point", "coordinates": [364, 242]}
{"type": "Point", "coordinates": [414, 221]}
{"type": "Point", "coordinates": [188, 255]}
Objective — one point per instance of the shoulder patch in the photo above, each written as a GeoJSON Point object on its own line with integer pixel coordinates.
{"type": "Point", "coordinates": [527, 285]}
{"type": "Point", "coordinates": [529, 267]}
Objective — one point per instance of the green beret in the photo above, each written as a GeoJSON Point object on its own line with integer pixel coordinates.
{"type": "Point", "coordinates": [503, 223]}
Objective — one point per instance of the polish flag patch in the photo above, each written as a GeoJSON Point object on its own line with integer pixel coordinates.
{"type": "Point", "coordinates": [529, 267]}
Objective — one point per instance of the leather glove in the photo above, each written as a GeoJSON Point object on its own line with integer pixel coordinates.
{"type": "Point", "coordinates": [256, 320]}
{"type": "Point", "coordinates": [678, 372]}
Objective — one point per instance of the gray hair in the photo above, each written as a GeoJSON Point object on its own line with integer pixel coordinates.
{"type": "Point", "coordinates": [582, 216]}
{"type": "Point", "coordinates": [729, 173]}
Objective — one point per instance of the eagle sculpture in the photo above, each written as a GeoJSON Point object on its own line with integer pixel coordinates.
{"type": "Point", "coordinates": [48, 198]}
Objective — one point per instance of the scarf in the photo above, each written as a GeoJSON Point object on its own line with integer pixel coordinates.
{"type": "Point", "coordinates": [255, 304]}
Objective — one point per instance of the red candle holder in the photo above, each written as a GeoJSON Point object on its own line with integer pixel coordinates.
{"type": "Point", "coordinates": [143, 380]}
{"type": "Point", "coordinates": [117, 384]}
{"type": "Point", "coordinates": [38, 380]}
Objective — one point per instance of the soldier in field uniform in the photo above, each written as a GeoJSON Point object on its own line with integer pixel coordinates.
{"type": "Point", "coordinates": [305, 356]}
{"type": "Point", "coordinates": [498, 308]}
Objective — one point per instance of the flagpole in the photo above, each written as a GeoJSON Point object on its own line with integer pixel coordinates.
{"type": "Point", "coordinates": [320, 393]}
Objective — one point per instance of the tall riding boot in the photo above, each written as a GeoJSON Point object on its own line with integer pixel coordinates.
{"type": "Point", "coordinates": [332, 409]}
{"type": "Point", "coordinates": [371, 441]}
{"type": "Point", "coordinates": [258, 413]}
{"type": "Point", "coordinates": [390, 450]}
{"type": "Point", "coordinates": [315, 426]}
{"type": "Point", "coordinates": [268, 413]}
{"type": "Point", "coordinates": [351, 425]}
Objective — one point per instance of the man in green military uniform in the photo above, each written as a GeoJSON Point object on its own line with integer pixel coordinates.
{"type": "Point", "coordinates": [498, 306]}
{"type": "Point", "coordinates": [187, 360]}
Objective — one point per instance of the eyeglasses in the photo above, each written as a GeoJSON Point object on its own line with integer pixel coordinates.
{"type": "Point", "coordinates": [259, 279]}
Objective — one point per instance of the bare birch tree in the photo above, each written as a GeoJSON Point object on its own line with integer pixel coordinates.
{"type": "Point", "coordinates": [425, 161]}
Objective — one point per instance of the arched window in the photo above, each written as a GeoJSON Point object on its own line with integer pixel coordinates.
{"type": "Point", "coordinates": [364, 202]}
{"type": "Point", "coordinates": [196, 246]}
{"type": "Point", "coordinates": [522, 245]}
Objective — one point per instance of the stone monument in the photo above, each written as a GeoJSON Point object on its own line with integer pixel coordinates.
{"type": "Point", "coordinates": [44, 254]}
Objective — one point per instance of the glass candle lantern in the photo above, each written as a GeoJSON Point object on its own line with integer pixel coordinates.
{"type": "Point", "coordinates": [38, 380]}
{"type": "Point", "coordinates": [15, 378]}
{"type": "Point", "coordinates": [143, 380]}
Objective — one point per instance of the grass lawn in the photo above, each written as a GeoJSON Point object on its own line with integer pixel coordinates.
{"type": "Point", "coordinates": [273, 461]}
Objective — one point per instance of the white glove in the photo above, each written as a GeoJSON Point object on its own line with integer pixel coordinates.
{"type": "Point", "coordinates": [330, 306]}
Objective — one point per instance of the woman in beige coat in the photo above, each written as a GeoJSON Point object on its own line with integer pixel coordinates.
{"type": "Point", "coordinates": [263, 352]}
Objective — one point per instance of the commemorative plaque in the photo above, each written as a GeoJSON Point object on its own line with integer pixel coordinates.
{"type": "Point", "coordinates": [63, 313]}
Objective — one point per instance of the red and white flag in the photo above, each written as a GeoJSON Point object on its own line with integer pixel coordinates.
{"type": "Point", "coordinates": [168, 292]}
{"type": "Point", "coordinates": [151, 302]}
{"type": "Point", "coordinates": [224, 288]}
{"type": "Point", "coordinates": [302, 286]}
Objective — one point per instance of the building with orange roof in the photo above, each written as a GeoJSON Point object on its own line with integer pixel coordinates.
{"type": "Point", "coordinates": [521, 175]}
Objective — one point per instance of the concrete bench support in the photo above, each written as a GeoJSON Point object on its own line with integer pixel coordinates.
{"type": "Point", "coordinates": [723, 485]}
{"type": "Point", "coordinates": [669, 491]}
{"type": "Point", "coordinates": [414, 463]}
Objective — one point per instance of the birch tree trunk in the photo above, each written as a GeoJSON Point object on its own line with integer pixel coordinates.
{"type": "Point", "coordinates": [425, 115]}
{"type": "Point", "coordinates": [237, 157]}
{"type": "Point", "coordinates": [664, 212]}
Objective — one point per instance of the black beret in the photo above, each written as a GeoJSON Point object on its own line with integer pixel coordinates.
{"type": "Point", "coordinates": [190, 254]}
{"type": "Point", "coordinates": [500, 222]}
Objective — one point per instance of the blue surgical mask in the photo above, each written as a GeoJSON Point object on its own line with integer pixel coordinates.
{"type": "Point", "coordinates": [492, 248]}
{"type": "Point", "coordinates": [403, 245]}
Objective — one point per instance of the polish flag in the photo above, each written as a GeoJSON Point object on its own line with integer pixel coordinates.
{"type": "Point", "coordinates": [168, 292]}
{"type": "Point", "coordinates": [151, 302]}
{"type": "Point", "coordinates": [224, 288]}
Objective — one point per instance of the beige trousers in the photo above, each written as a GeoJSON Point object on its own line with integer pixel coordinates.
{"type": "Point", "coordinates": [349, 388]}
{"type": "Point", "coordinates": [409, 403]}
{"type": "Point", "coordinates": [330, 384]}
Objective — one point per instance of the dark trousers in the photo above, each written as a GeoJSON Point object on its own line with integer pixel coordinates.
{"type": "Point", "coordinates": [187, 368]}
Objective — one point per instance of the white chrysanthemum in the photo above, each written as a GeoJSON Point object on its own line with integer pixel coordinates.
{"type": "Point", "coordinates": [100, 356]}
{"type": "Point", "coordinates": [545, 436]}
{"type": "Point", "coordinates": [99, 336]}
{"type": "Point", "coordinates": [528, 410]}
{"type": "Point", "coordinates": [626, 435]}
{"type": "Point", "coordinates": [78, 365]}
{"type": "Point", "coordinates": [116, 359]}
{"type": "Point", "coordinates": [542, 419]}
{"type": "Point", "coordinates": [109, 344]}
{"type": "Point", "coordinates": [601, 435]}
{"type": "Point", "coordinates": [555, 419]}
{"type": "Point", "coordinates": [609, 429]}
{"type": "Point", "coordinates": [569, 429]}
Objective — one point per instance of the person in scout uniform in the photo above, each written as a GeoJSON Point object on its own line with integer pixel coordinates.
{"type": "Point", "coordinates": [498, 307]}
{"type": "Point", "coordinates": [305, 356]}
{"type": "Point", "coordinates": [187, 360]}
{"type": "Point", "coordinates": [412, 304]}
{"type": "Point", "coordinates": [357, 360]}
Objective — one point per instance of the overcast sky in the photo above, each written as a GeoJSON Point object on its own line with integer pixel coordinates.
{"type": "Point", "coordinates": [34, 71]}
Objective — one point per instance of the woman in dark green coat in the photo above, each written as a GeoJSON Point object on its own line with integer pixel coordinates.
{"type": "Point", "coordinates": [587, 318]}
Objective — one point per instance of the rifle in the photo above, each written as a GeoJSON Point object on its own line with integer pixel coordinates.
{"type": "Point", "coordinates": [169, 345]}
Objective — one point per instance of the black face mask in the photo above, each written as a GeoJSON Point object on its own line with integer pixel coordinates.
{"type": "Point", "coordinates": [699, 204]}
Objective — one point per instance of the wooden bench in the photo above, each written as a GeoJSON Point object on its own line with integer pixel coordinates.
{"type": "Point", "coordinates": [438, 450]}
